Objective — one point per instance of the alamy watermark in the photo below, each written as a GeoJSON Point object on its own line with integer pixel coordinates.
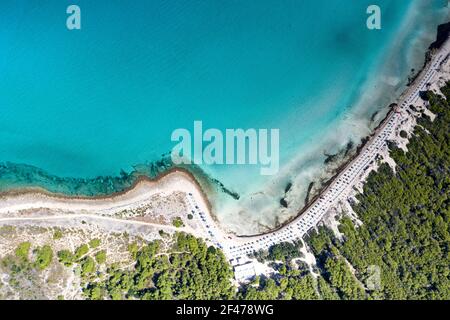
{"type": "Point", "coordinates": [374, 20]}
{"type": "Point", "coordinates": [73, 21]}
{"type": "Point", "coordinates": [231, 147]}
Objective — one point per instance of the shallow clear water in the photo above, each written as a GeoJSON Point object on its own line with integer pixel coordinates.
{"type": "Point", "coordinates": [91, 102]}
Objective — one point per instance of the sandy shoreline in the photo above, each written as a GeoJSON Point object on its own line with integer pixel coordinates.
{"type": "Point", "coordinates": [136, 184]}
{"type": "Point", "coordinates": [176, 180]}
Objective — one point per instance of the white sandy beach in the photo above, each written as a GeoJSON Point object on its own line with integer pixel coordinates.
{"type": "Point", "coordinates": [142, 190]}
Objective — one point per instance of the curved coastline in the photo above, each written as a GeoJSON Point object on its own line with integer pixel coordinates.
{"type": "Point", "coordinates": [137, 184]}
{"type": "Point", "coordinates": [197, 181]}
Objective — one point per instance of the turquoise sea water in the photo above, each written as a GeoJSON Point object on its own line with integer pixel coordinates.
{"type": "Point", "coordinates": [95, 101]}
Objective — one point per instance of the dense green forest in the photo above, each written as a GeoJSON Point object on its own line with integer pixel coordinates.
{"type": "Point", "coordinates": [405, 215]}
{"type": "Point", "coordinates": [188, 270]}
